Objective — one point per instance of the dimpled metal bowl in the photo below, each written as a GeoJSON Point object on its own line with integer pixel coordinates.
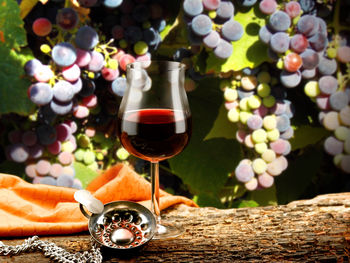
{"type": "Point", "coordinates": [122, 225]}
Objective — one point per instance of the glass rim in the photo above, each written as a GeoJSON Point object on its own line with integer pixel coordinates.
{"type": "Point", "coordinates": [181, 66]}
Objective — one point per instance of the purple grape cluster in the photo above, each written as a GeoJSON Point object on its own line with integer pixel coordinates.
{"type": "Point", "coordinates": [297, 48]}
{"type": "Point", "coordinates": [333, 100]}
{"type": "Point", "coordinates": [258, 104]}
{"type": "Point", "coordinates": [47, 153]}
{"type": "Point", "coordinates": [210, 22]}
{"type": "Point", "coordinates": [309, 59]}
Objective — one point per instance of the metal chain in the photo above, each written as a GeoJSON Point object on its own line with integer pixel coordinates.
{"type": "Point", "coordinates": [52, 251]}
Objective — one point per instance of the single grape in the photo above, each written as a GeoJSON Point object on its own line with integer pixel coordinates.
{"type": "Point", "coordinates": [223, 50]}
{"type": "Point", "coordinates": [312, 89]}
{"type": "Point", "coordinates": [71, 73]}
{"type": "Point", "coordinates": [331, 120]}
{"type": "Point", "coordinates": [292, 62]}
{"type": "Point", "coordinates": [30, 170]}
{"type": "Point", "coordinates": [265, 180]}
{"type": "Point", "coordinates": [338, 100]}
{"type": "Point", "coordinates": [279, 42]}
{"type": "Point", "coordinates": [282, 122]}
{"type": "Point", "coordinates": [63, 131]}
{"type": "Point", "coordinates": [67, 18]}
{"type": "Point", "coordinates": [46, 134]}
{"type": "Point", "coordinates": [112, 3]}
{"type": "Point", "coordinates": [252, 184]}
{"type": "Point", "coordinates": [43, 167]}
{"type": "Point", "coordinates": [327, 66]}
{"type": "Point", "coordinates": [86, 38]}
{"type": "Point", "coordinates": [83, 57]}
{"type": "Point", "coordinates": [29, 138]}
{"type": "Point", "coordinates": [290, 79]}
{"type": "Point", "coordinates": [308, 25]}
{"type": "Point", "coordinates": [201, 25]}
{"type": "Point", "coordinates": [244, 172]}
{"type": "Point", "coordinates": [211, 4]}
{"type": "Point", "coordinates": [212, 39]}
{"type": "Point", "coordinates": [193, 7]}
{"type": "Point", "coordinates": [47, 180]}
{"type": "Point", "coordinates": [310, 59]}
{"type": "Point", "coordinates": [277, 166]}
{"type": "Point", "coordinates": [81, 111]}
{"type": "Point", "coordinates": [31, 66]}
{"type": "Point", "coordinates": [279, 21]}
{"type": "Point", "coordinates": [343, 54]}
{"type": "Point", "coordinates": [15, 136]}
{"type": "Point", "coordinates": [345, 163]}
{"type": "Point", "coordinates": [342, 133]}
{"type": "Point", "coordinates": [63, 91]}
{"type": "Point", "coordinates": [259, 166]}
{"type": "Point", "coordinates": [318, 42]}
{"type": "Point", "coordinates": [322, 102]}
{"type": "Point", "coordinates": [61, 108]}
{"type": "Point", "coordinates": [299, 43]}
{"type": "Point", "coordinates": [344, 115]}
{"type": "Point", "coordinates": [292, 8]}
{"type": "Point", "coordinates": [88, 87]}
{"type": "Point", "coordinates": [308, 73]}
{"type": "Point", "coordinates": [64, 54]}
{"type": "Point", "coordinates": [56, 170]}
{"type": "Point", "coordinates": [263, 90]}
{"type": "Point", "coordinates": [225, 10]}
{"type": "Point", "coordinates": [43, 73]}
{"type": "Point", "coordinates": [125, 60]}
{"type": "Point", "coordinates": [96, 63]}
{"type": "Point", "coordinates": [40, 93]}
{"type": "Point", "coordinates": [232, 30]}
{"type": "Point", "coordinates": [18, 152]}
{"type": "Point", "coordinates": [42, 27]}
{"type": "Point", "coordinates": [333, 146]}
{"type": "Point", "coordinates": [268, 156]}
{"type": "Point", "coordinates": [119, 86]}
{"type": "Point", "coordinates": [90, 101]}
{"type": "Point", "coordinates": [65, 180]}
{"type": "Point", "coordinates": [249, 83]}
{"type": "Point", "coordinates": [265, 34]}
{"type": "Point", "coordinates": [254, 122]}
{"type": "Point", "coordinates": [270, 122]}
{"type": "Point", "coordinates": [268, 7]}
{"type": "Point", "coordinates": [65, 158]}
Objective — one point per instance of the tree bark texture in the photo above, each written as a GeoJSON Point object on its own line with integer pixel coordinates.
{"type": "Point", "coordinates": [316, 230]}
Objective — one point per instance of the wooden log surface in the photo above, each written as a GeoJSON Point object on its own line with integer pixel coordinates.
{"type": "Point", "coordinates": [316, 230]}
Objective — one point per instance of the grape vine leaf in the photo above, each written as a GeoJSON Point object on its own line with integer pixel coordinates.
{"type": "Point", "coordinates": [305, 135]}
{"type": "Point", "coordinates": [84, 174]}
{"type": "Point", "coordinates": [248, 51]}
{"type": "Point", "coordinates": [294, 181]}
{"type": "Point", "coordinates": [205, 164]}
{"type": "Point", "coordinates": [13, 87]}
{"type": "Point", "coordinates": [12, 33]}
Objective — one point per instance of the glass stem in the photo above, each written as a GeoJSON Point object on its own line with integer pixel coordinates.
{"type": "Point", "coordinates": [155, 208]}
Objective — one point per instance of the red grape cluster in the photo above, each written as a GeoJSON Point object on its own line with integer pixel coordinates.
{"type": "Point", "coordinates": [210, 22]}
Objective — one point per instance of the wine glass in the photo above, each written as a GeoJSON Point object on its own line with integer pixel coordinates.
{"type": "Point", "coordinates": [155, 123]}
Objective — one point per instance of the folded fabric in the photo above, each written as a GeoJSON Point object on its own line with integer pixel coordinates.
{"type": "Point", "coordinates": [35, 209]}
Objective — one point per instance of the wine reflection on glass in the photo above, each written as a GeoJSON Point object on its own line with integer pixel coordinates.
{"type": "Point", "coordinates": [155, 123]}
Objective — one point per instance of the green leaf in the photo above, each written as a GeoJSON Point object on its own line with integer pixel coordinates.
{"type": "Point", "coordinates": [264, 197]}
{"type": "Point", "coordinates": [9, 167]}
{"type": "Point", "coordinates": [13, 87]}
{"type": "Point", "coordinates": [204, 200]}
{"type": "Point", "coordinates": [12, 33]}
{"type": "Point", "coordinates": [205, 164]}
{"type": "Point", "coordinates": [249, 51]}
{"type": "Point", "coordinates": [307, 135]}
{"type": "Point", "coordinates": [294, 181]}
{"type": "Point", "coordinates": [84, 174]}
{"type": "Point", "coordinates": [222, 127]}
{"type": "Point", "coordinates": [245, 203]}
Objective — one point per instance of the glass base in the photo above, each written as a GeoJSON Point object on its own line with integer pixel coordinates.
{"type": "Point", "coordinates": [167, 231]}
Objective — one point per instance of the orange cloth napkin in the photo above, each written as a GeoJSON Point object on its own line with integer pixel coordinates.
{"type": "Point", "coordinates": [34, 209]}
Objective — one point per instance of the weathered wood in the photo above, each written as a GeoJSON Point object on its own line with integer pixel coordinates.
{"type": "Point", "coordinates": [316, 230]}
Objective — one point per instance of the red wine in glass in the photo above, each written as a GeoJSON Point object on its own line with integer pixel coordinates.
{"type": "Point", "coordinates": [154, 134]}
